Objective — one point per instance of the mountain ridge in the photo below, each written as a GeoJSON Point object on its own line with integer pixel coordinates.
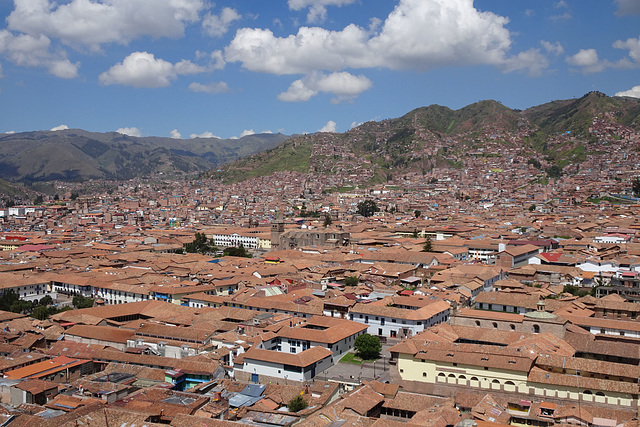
{"type": "Point", "coordinates": [437, 136]}
{"type": "Point", "coordinates": [77, 155]}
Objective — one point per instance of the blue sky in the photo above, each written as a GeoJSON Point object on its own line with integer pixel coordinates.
{"type": "Point", "coordinates": [183, 68]}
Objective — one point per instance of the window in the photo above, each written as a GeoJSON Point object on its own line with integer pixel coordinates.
{"type": "Point", "coordinates": [495, 325]}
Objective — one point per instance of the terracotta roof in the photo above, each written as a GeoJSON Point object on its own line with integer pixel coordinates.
{"type": "Point", "coordinates": [302, 359]}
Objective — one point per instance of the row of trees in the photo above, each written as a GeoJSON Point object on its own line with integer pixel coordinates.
{"type": "Point", "coordinates": [204, 246]}
{"type": "Point", "coordinates": [39, 309]}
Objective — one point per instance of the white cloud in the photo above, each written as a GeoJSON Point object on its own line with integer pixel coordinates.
{"type": "Point", "coordinates": [142, 69]}
{"type": "Point", "coordinates": [1, 76]}
{"type": "Point", "coordinates": [215, 58]}
{"type": "Point", "coordinates": [34, 51]}
{"type": "Point", "coordinates": [532, 61]}
{"type": "Point", "coordinates": [633, 45]}
{"type": "Point", "coordinates": [61, 127]}
{"type": "Point", "coordinates": [343, 85]}
{"type": "Point", "coordinates": [329, 127]}
{"type": "Point", "coordinates": [417, 35]}
{"type": "Point", "coordinates": [317, 8]}
{"type": "Point", "coordinates": [132, 131]}
{"type": "Point", "coordinates": [589, 62]}
{"type": "Point", "coordinates": [266, 131]}
{"type": "Point", "coordinates": [554, 48]}
{"type": "Point", "coordinates": [628, 7]}
{"type": "Point", "coordinates": [10, 132]}
{"type": "Point", "coordinates": [206, 134]}
{"type": "Point", "coordinates": [212, 88]}
{"type": "Point", "coordinates": [218, 25]}
{"type": "Point", "coordinates": [247, 132]}
{"type": "Point", "coordinates": [634, 92]}
{"type": "Point", "coordinates": [93, 23]}
{"type": "Point", "coordinates": [587, 59]}
{"type": "Point", "coordinates": [175, 134]}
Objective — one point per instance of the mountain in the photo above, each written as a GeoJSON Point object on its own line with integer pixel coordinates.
{"type": "Point", "coordinates": [437, 136]}
{"type": "Point", "coordinates": [75, 154]}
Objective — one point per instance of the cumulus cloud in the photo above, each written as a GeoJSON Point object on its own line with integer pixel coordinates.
{"type": "Point", "coordinates": [417, 35]}
{"type": "Point", "coordinates": [531, 61]}
{"type": "Point", "coordinates": [10, 132]}
{"type": "Point", "coordinates": [132, 131]}
{"type": "Point", "coordinates": [329, 127]}
{"type": "Point", "coordinates": [34, 51]}
{"type": "Point", "coordinates": [634, 92]}
{"type": "Point", "coordinates": [247, 132]}
{"type": "Point", "coordinates": [61, 127]}
{"type": "Point", "coordinates": [93, 23]}
{"type": "Point", "coordinates": [587, 60]}
{"type": "Point", "coordinates": [627, 7]}
{"type": "Point", "coordinates": [142, 69]}
{"type": "Point", "coordinates": [175, 134]}
{"type": "Point", "coordinates": [564, 16]}
{"type": "Point", "coordinates": [218, 25]}
{"type": "Point", "coordinates": [317, 8]}
{"type": "Point", "coordinates": [554, 48]}
{"type": "Point", "coordinates": [206, 134]}
{"type": "Point", "coordinates": [633, 45]}
{"type": "Point", "coordinates": [215, 59]}
{"type": "Point", "coordinates": [343, 85]}
{"type": "Point", "coordinates": [212, 88]}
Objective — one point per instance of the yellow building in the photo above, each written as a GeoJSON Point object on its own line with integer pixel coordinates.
{"type": "Point", "coordinates": [506, 369]}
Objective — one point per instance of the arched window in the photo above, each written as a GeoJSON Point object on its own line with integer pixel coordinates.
{"type": "Point", "coordinates": [536, 329]}
{"type": "Point", "coordinates": [495, 325]}
{"type": "Point", "coordinates": [587, 392]}
{"type": "Point", "coordinates": [477, 323]}
{"type": "Point", "coordinates": [600, 394]}
{"type": "Point", "coordinates": [512, 326]}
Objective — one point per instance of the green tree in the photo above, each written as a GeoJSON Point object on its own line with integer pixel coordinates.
{"type": "Point", "coordinates": [74, 195]}
{"type": "Point", "coordinates": [200, 245]}
{"type": "Point", "coordinates": [46, 300]}
{"type": "Point", "coordinates": [554, 171]}
{"type": "Point", "coordinates": [297, 404]}
{"type": "Point", "coordinates": [351, 280]}
{"type": "Point", "coordinates": [635, 186]}
{"type": "Point", "coordinates": [8, 298]}
{"type": "Point", "coordinates": [428, 244]}
{"type": "Point", "coordinates": [239, 251]}
{"type": "Point", "coordinates": [368, 346]}
{"type": "Point", "coordinates": [571, 289]}
{"type": "Point", "coordinates": [532, 208]}
{"type": "Point", "coordinates": [367, 208]}
{"type": "Point", "coordinates": [40, 312]}
{"type": "Point", "coordinates": [417, 213]}
{"type": "Point", "coordinates": [327, 220]}
{"type": "Point", "coordinates": [20, 306]}
{"type": "Point", "coordinates": [38, 200]}
{"type": "Point", "coordinates": [80, 301]}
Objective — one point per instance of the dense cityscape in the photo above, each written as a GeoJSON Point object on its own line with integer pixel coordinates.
{"type": "Point", "coordinates": [490, 285]}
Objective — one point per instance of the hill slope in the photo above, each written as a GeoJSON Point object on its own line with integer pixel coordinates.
{"type": "Point", "coordinates": [76, 154]}
{"type": "Point", "coordinates": [436, 137]}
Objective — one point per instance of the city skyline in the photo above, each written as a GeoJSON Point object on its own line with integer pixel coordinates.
{"type": "Point", "coordinates": [193, 68]}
